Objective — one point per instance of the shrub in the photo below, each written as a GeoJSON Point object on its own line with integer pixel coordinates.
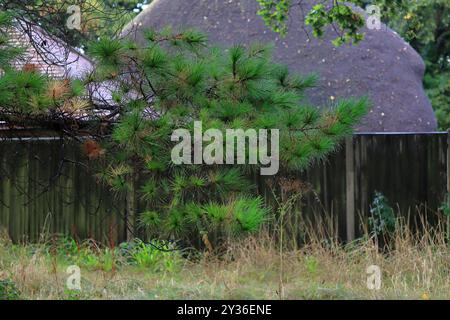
{"type": "Point", "coordinates": [159, 256]}
{"type": "Point", "coordinates": [8, 290]}
{"type": "Point", "coordinates": [382, 220]}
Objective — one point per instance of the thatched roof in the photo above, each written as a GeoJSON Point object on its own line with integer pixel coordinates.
{"type": "Point", "coordinates": [383, 66]}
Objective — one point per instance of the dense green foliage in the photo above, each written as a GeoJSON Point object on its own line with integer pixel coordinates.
{"type": "Point", "coordinates": [437, 86]}
{"type": "Point", "coordinates": [275, 14]}
{"type": "Point", "coordinates": [347, 21]}
{"type": "Point", "coordinates": [175, 80]}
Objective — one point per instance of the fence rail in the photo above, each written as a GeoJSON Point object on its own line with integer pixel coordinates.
{"type": "Point", "coordinates": [44, 186]}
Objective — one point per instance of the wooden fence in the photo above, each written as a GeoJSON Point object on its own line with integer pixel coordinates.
{"type": "Point", "coordinates": [45, 185]}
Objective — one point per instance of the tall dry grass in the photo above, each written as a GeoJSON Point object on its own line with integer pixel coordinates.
{"type": "Point", "coordinates": [269, 265]}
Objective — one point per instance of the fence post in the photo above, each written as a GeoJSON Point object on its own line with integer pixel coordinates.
{"type": "Point", "coordinates": [350, 188]}
{"type": "Point", "coordinates": [448, 181]}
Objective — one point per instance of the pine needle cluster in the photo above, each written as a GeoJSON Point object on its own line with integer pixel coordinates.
{"type": "Point", "coordinates": [176, 79]}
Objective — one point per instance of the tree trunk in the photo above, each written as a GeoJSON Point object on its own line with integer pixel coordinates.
{"type": "Point", "coordinates": [131, 201]}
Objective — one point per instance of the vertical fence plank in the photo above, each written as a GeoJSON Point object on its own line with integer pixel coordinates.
{"type": "Point", "coordinates": [350, 188]}
{"type": "Point", "coordinates": [448, 180]}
